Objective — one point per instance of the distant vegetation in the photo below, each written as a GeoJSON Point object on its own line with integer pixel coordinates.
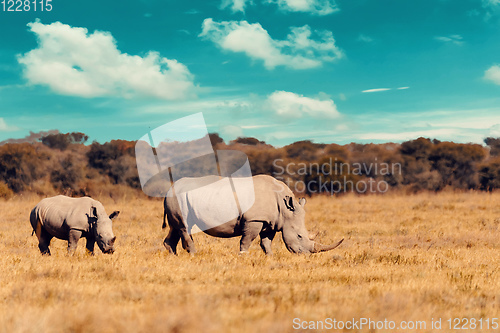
{"type": "Point", "coordinates": [63, 163]}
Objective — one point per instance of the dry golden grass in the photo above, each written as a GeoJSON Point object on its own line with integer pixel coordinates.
{"type": "Point", "coordinates": [404, 258]}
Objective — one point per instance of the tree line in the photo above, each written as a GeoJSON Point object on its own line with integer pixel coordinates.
{"type": "Point", "coordinates": [64, 163]}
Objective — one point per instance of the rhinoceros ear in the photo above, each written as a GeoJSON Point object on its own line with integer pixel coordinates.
{"type": "Point", "coordinates": [114, 215]}
{"type": "Point", "coordinates": [94, 211]}
{"type": "Point", "coordinates": [302, 202]}
{"type": "Point", "coordinates": [289, 203]}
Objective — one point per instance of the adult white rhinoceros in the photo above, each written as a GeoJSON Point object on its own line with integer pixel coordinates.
{"type": "Point", "coordinates": [70, 219]}
{"type": "Point", "coordinates": [275, 209]}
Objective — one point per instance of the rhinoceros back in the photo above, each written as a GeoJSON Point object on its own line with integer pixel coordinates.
{"type": "Point", "coordinates": [209, 201]}
{"type": "Point", "coordinates": [207, 206]}
{"type": "Point", "coordinates": [59, 214]}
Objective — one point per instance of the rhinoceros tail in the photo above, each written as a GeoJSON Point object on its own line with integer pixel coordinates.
{"type": "Point", "coordinates": [164, 225]}
{"type": "Point", "coordinates": [36, 223]}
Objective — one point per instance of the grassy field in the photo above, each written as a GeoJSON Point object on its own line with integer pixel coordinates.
{"type": "Point", "coordinates": [404, 258]}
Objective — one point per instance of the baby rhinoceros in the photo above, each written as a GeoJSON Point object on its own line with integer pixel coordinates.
{"type": "Point", "coordinates": [70, 219]}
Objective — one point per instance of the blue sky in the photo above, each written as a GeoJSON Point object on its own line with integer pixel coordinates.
{"type": "Point", "coordinates": [279, 70]}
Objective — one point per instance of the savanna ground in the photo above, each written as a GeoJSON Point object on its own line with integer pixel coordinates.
{"type": "Point", "coordinates": [405, 258]}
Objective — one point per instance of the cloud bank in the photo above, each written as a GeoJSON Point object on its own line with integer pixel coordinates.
{"type": "Point", "coordinates": [298, 51]}
{"type": "Point", "coordinates": [236, 5]}
{"type": "Point", "coordinates": [314, 7]}
{"type": "Point", "coordinates": [6, 128]}
{"type": "Point", "coordinates": [454, 39]}
{"type": "Point", "coordinates": [493, 74]}
{"type": "Point", "coordinates": [71, 61]}
{"type": "Point", "coordinates": [290, 105]}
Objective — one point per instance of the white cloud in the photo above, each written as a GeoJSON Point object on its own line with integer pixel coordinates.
{"type": "Point", "coordinates": [365, 38]}
{"type": "Point", "coordinates": [454, 125]}
{"type": "Point", "coordinates": [454, 39]}
{"type": "Point", "coordinates": [314, 7]}
{"type": "Point", "coordinates": [494, 131]}
{"type": "Point", "coordinates": [491, 3]}
{"type": "Point", "coordinates": [73, 62]}
{"type": "Point", "coordinates": [493, 74]}
{"type": "Point", "coordinates": [491, 8]}
{"type": "Point", "coordinates": [376, 90]}
{"type": "Point", "coordinates": [384, 89]}
{"type": "Point", "coordinates": [232, 131]}
{"type": "Point", "coordinates": [257, 126]}
{"type": "Point", "coordinates": [290, 105]}
{"type": "Point", "coordinates": [6, 128]}
{"type": "Point", "coordinates": [298, 51]}
{"type": "Point", "coordinates": [10, 86]}
{"type": "Point", "coordinates": [447, 133]}
{"type": "Point", "coordinates": [236, 5]}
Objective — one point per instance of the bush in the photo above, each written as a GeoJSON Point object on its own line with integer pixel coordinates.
{"type": "Point", "coordinates": [62, 141]}
{"type": "Point", "coordinates": [457, 163]}
{"type": "Point", "coordinates": [20, 165]}
{"type": "Point", "coordinates": [494, 144]}
{"type": "Point", "coordinates": [67, 176]}
{"type": "Point", "coordinates": [5, 191]}
{"type": "Point", "coordinates": [215, 139]}
{"type": "Point", "coordinates": [489, 175]}
{"type": "Point", "coordinates": [116, 159]}
{"type": "Point", "coordinates": [304, 150]}
{"type": "Point", "coordinates": [248, 141]}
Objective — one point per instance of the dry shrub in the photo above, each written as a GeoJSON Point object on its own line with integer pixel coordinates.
{"type": "Point", "coordinates": [5, 191]}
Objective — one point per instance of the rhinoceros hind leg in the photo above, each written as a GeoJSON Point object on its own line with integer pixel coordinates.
{"type": "Point", "coordinates": [251, 230]}
{"type": "Point", "coordinates": [187, 241]}
{"type": "Point", "coordinates": [44, 242]}
{"type": "Point", "coordinates": [172, 240]}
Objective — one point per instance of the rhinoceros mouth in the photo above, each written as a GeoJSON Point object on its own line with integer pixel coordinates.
{"type": "Point", "coordinates": [110, 251]}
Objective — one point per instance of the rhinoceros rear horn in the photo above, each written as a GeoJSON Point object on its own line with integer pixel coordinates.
{"type": "Point", "coordinates": [114, 214]}
{"type": "Point", "coordinates": [112, 241]}
{"type": "Point", "coordinates": [317, 247]}
{"type": "Point", "coordinates": [289, 203]}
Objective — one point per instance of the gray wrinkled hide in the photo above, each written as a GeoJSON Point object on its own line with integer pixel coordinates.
{"type": "Point", "coordinates": [275, 210]}
{"type": "Point", "coordinates": [70, 219]}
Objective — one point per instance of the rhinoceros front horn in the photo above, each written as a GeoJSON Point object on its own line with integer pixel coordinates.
{"type": "Point", "coordinates": [313, 235]}
{"type": "Point", "coordinates": [317, 247]}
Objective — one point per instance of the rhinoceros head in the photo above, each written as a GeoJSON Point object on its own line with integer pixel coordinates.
{"type": "Point", "coordinates": [295, 235]}
{"type": "Point", "coordinates": [103, 230]}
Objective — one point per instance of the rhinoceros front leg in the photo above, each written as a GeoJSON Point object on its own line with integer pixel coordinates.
{"type": "Point", "coordinates": [90, 245]}
{"type": "Point", "coordinates": [74, 236]}
{"type": "Point", "coordinates": [266, 239]}
{"type": "Point", "coordinates": [251, 230]}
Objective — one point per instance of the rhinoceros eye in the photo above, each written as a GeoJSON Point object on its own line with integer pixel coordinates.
{"type": "Point", "coordinates": [299, 236]}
